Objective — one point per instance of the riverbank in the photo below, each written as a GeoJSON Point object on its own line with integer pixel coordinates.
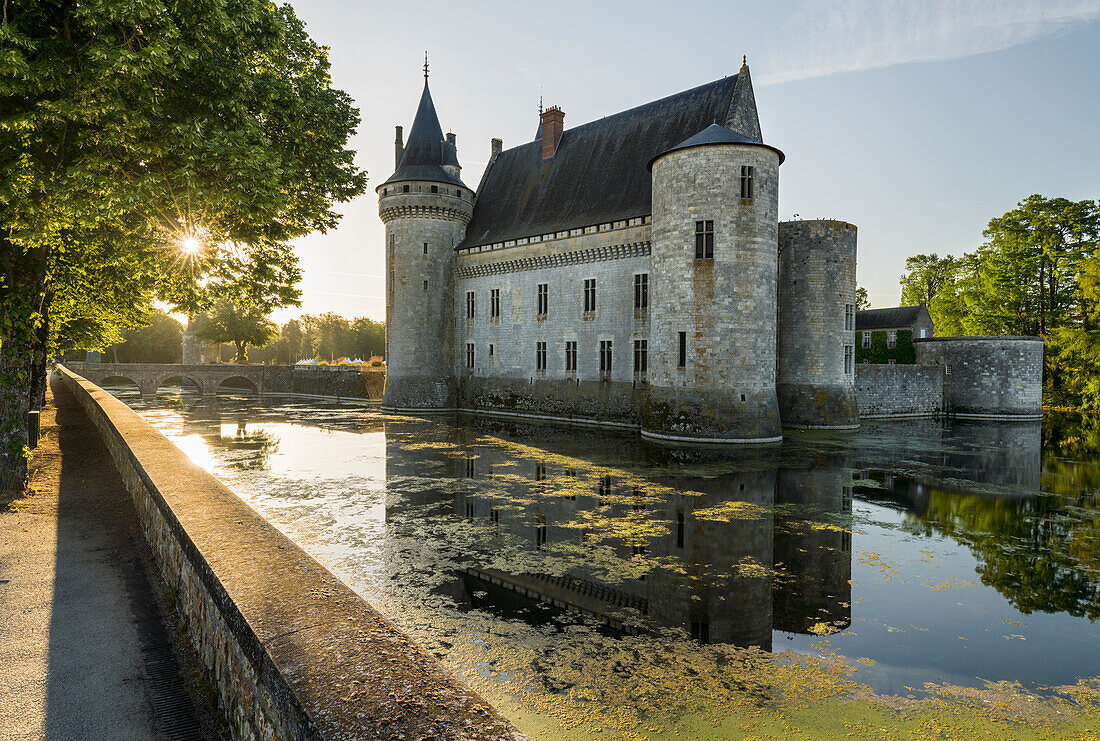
{"type": "Point", "coordinates": [85, 651]}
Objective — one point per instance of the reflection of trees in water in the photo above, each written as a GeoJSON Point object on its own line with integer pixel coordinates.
{"type": "Point", "coordinates": [1042, 553]}
{"type": "Point", "coordinates": [1072, 435]}
{"type": "Point", "coordinates": [251, 449]}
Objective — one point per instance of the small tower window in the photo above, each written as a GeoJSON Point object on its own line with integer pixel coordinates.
{"type": "Point", "coordinates": [571, 357]}
{"type": "Point", "coordinates": [605, 358]}
{"type": "Point", "coordinates": [404, 189]}
{"type": "Point", "coordinates": [589, 294]}
{"type": "Point", "coordinates": [849, 317]}
{"type": "Point", "coordinates": [542, 299]}
{"type": "Point", "coordinates": [849, 358]}
{"type": "Point", "coordinates": [747, 174]}
{"type": "Point", "coordinates": [704, 240]}
{"type": "Point", "coordinates": [641, 290]}
{"type": "Point", "coordinates": [435, 188]}
{"type": "Point", "coordinates": [540, 357]}
{"type": "Point", "coordinates": [683, 359]}
{"type": "Point", "coordinates": [490, 350]}
{"type": "Point", "coordinates": [425, 285]}
{"type": "Point", "coordinates": [469, 356]}
{"type": "Point", "coordinates": [425, 248]}
{"type": "Point", "coordinates": [469, 304]}
{"type": "Point", "coordinates": [458, 192]}
{"type": "Point", "coordinates": [494, 303]}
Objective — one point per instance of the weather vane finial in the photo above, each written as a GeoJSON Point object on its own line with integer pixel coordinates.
{"type": "Point", "coordinates": [540, 103]}
{"type": "Point", "coordinates": [744, 59]}
{"type": "Point", "coordinates": [425, 66]}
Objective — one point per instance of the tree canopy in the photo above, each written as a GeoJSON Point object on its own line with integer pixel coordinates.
{"type": "Point", "coordinates": [241, 325]}
{"type": "Point", "coordinates": [153, 149]}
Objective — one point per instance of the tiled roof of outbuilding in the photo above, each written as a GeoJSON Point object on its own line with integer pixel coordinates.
{"type": "Point", "coordinates": [598, 173]}
{"type": "Point", "coordinates": [896, 316]}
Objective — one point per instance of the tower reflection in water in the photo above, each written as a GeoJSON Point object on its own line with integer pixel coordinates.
{"type": "Point", "coordinates": [724, 547]}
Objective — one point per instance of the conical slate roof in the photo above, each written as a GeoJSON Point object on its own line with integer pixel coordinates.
{"type": "Point", "coordinates": [715, 134]}
{"type": "Point", "coordinates": [424, 152]}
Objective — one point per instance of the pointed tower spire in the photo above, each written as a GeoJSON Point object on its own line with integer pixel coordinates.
{"type": "Point", "coordinates": [426, 152]}
{"type": "Point", "coordinates": [742, 116]}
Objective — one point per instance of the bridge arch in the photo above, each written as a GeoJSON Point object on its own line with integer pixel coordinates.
{"type": "Point", "coordinates": [165, 377]}
{"type": "Point", "coordinates": [122, 384]}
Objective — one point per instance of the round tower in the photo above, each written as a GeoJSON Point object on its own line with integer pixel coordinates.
{"type": "Point", "coordinates": [425, 208]}
{"type": "Point", "coordinates": [713, 300]}
{"type": "Point", "coordinates": [816, 339]}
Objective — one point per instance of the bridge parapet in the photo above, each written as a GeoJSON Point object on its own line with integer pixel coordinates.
{"type": "Point", "coordinates": [148, 377]}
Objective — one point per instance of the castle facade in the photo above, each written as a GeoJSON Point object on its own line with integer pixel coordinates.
{"type": "Point", "coordinates": [628, 272]}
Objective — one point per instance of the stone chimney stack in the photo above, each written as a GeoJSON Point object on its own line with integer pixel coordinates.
{"type": "Point", "coordinates": [451, 139]}
{"type": "Point", "coordinates": [498, 147]}
{"type": "Point", "coordinates": [398, 147]}
{"type": "Point", "coordinates": [553, 123]}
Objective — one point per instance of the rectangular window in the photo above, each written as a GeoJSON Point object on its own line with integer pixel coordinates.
{"type": "Point", "coordinates": [425, 285]}
{"type": "Point", "coordinates": [891, 338]}
{"type": "Point", "coordinates": [490, 350]}
{"type": "Point", "coordinates": [469, 304]}
{"type": "Point", "coordinates": [571, 357]}
{"type": "Point", "coordinates": [494, 303]}
{"type": "Point", "coordinates": [704, 240]}
{"type": "Point", "coordinates": [866, 340]}
{"type": "Point", "coordinates": [683, 359]}
{"type": "Point", "coordinates": [540, 357]}
{"type": "Point", "coordinates": [589, 294]}
{"type": "Point", "coordinates": [404, 189]}
{"type": "Point", "coordinates": [641, 290]}
{"type": "Point", "coordinates": [923, 333]}
{"type": "Point", "coordinates": [747, 174]}
{"type": "Point", "coordinates": [425, 248]}
{"type": "Point", "coordinates": [605, 357]}
{"type": "Point", "coordinates": [435, 188]}
{"type": "Point", "coordinates": [849, 358]}
{"type": "Point", "coordinates": [543, 303]}
{"type": "Point", "coordinates": [849, 317]}
{"type": "Point", "coordinates": [641, 350]}
{"type": "Point", "coordinates": [469, 356]}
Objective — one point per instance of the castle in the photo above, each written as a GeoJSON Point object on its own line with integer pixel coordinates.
{"type": "Point", "coordinates": [630, 272]}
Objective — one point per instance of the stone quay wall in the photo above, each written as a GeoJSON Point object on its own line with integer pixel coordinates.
{"type": "Point", "coordinates": [893, 391]}
{"type": "Point", "coordinates": [339, 381]}
{"type": "Point", "coordinates": [291, 651]}
{"type": "Point", "coordinates": [987, 377]}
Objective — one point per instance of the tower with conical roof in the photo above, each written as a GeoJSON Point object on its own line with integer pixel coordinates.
{"type": "Point", "coordinates": [425, 207]}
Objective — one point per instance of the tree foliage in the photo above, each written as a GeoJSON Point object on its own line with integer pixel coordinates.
{"type": "Point", "coordinates": [159, 341]}
{"type": "Point", "coordinates": [241, 325]}
{"type": "Point", "coordinates": [130, 128]}
{"type": "Point", "coordinates": [862, 302]}
{"type": "Point", "coordinates": [1034, 275]}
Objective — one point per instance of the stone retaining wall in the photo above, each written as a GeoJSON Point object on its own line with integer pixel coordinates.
{"type": "Point", "coordinates": [893, 391]}
{"type": "Point", "coordinates": [988, 377]}
{"type": "Point", "coordinates": [292, 652]}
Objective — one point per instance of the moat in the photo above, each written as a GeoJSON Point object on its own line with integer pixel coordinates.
{"type": "Point", "coordinates": [591, 585]}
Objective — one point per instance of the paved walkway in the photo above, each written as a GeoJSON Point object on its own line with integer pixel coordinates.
{"type": "Point", "coordinates": [83, 652]}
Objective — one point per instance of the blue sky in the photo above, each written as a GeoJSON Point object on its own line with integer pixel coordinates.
{"type": "Point", "coordinates": [917, 121]}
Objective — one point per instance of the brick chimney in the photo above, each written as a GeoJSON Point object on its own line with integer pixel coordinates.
{"type": "Point", "coordinates": [553, 122]}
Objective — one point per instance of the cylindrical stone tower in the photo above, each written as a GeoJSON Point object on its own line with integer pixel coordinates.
{"type": "Point", "coordinates": [426, 209]}
{"type": "Point", "coordinates": [816, 340]}
{"type": "Point", "coordinates": [988, 377]}
{"type": "Point", "coordinates": [713, 295]}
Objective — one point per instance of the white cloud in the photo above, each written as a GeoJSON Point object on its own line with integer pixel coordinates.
{"type": "Point", "coordinates": [823, 37]}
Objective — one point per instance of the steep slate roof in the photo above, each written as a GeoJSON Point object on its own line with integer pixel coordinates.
{"type": "Point", "coordinates": [898, 316]}
{"type": "Point", "coordinates": [598, 173]}
{"type": "Point", "coordinates": [425, 152]}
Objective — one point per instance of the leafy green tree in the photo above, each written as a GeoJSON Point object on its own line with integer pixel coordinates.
{"type": "Point", "coordinates": [862, 302]}
{"type": "Point", "coordinates": [369, 338]}
{"type": "Point", "coordinates": [153, 149]}
{"type": "Point", "coordinates": [159, 341]}
{"type": "Point", "coordinates": [924, 275]}
{"type": "Point", "coordinates": [241, 325]}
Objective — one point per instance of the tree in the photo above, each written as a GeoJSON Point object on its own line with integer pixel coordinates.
{"type": "Point", "coordinates": [862, 302]}
{"type": "Point", "coordinates": [153, 148]}
{"type": "Point", "coordinates": [924, 276]}
{"type": "Point", "coordinates": [243, 326]}
{"type": "Point", "coordinates": [159, 341]}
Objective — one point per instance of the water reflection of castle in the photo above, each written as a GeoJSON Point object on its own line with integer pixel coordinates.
{"type": "Point", "coordinates": [726, 555]}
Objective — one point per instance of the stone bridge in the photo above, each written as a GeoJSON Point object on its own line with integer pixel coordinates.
{"type": "Point", "coordinates": [148, 377]}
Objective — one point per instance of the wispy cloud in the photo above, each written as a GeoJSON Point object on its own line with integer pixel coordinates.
{"type": "Point", "coordinates": [823, 37]}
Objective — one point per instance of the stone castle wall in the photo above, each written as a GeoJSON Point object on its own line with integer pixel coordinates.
{"type": "Point", "coordinates": [892, 391]}
{"type": "Point", "coordinates": [817, 285]}
{"type": "Point", "coordinates": [725, 305]}
{"type": "Point", "coordinates": [988, 377]}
